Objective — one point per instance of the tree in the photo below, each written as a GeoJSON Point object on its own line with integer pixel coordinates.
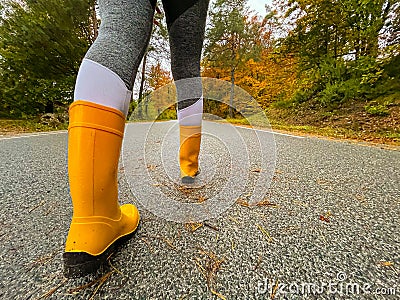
{"type": "Point", "coordinates": [392, 27]}
{"type": "Point", "coordinates": [338, 45]}
{"type": "Point", "coordinates": [41, 46]}
{"type": "Point", "coordinates": [156, 51]}
{"type": "Point", "coordinates": [231, 39]}
{"type": "Point", "coordinates": [158, 77]}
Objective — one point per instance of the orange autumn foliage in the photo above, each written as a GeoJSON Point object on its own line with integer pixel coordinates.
{"type": "Point", "coordinates": [270, 79]}
{"type": "Point", "coordinates": [158, 77]}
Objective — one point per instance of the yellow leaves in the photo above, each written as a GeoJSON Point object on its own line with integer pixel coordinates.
{"type": "Point", "coordinates": [386, 263]}
{"type": "Point", "coordinates": [326, 217]}
{"type": "Point", "coordinates": [243, 202]}
{"type": "Point", "coordinates": [158, 77]}
{"type": "Point", "coordinates": [266, 80]}
{"type": "Point", "coordinates": [193, 226]}
{"type": "Point", "coordinates": [151, 167]}
{"type": "Point", "coordinates": [265, 202]}
{"type": "Point", "coordinates": [201, 199]}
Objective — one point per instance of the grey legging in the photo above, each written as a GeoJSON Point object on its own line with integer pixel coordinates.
{"type": "Point", "coordinates": [125, 32]}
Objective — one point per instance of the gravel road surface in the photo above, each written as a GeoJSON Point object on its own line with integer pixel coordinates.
{"type": "Point", "coordinates": [326, 223]}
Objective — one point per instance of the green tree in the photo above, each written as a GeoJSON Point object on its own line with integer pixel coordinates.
{"type": "Point", "coordinates": [338, 45]}
{"type": "Point", "coordinates": [232, 38]}
{"type": "Point", "coordinates": [334, 28]}
{"type": "Point", "coordinates": [41, 46]}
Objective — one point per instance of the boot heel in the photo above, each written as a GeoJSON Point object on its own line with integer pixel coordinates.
{"type": "Point", "coordinates": [80, 264]}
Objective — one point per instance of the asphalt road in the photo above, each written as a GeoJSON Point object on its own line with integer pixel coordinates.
{"type": "Point", "coordinates": [327, 227]}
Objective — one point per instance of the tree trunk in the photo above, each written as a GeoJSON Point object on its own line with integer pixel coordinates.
{"type": "Point", "coordinates": [232, 92]}
{"type": "Point", "coordinates": [146, 106]}
{"type": "Point", "coordinates": [336, 45]}
{"type": "Point", "coordinates": [95, 23]}
{"type": "Point", "coordinates": [357, 43]}
{"type": "Point", "coordinates": [142, 80]}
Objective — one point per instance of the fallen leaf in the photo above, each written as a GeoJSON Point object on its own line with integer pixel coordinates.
{"type": "Point", "coordinates": [322, 181]}
{"type": "Point", "coordinates": [275, 289]}
{"type": "Point", "coordinates": [259, 261]}
{"type": "Point", "coordinates": [265, 232]}
{"type": "Point", "coordinates": [151, 167]}
{"type": "Point", "coordinates": [361, 198]}
{"type": "Point", "coordinates": [193, 226]}
{"type": "Point", "coordinates": [211, 226]}
{"type": "Point", "coordinates": [266, 202]}
{"type": "Point", "coordinates": [386, 263]}
{"type": "Point", "coordinates": [219, 295]}
{"type": "Point", "coordinates": [201, 199]}
{"type": "Point", "coordinates": [243, 202]}
{"type": "Point", "coordinates": [208, 264]}
{"type": "Point", "coordinates": [233, 219]}
{"type": "Point", "coordinates": [323, 218]}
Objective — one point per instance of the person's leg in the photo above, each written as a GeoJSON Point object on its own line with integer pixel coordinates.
{"type": "Point", "coordinates": [109, 68]}
{"type": "Point", "coordinates": [97, 121]}
{"type": "Point", "coordinates": [186, 25]}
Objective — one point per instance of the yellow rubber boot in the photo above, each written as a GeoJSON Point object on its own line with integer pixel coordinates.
{"type": "Point", "coordinates": [190, 139]}
{"type": "Point", "coordinates": [94, 142]}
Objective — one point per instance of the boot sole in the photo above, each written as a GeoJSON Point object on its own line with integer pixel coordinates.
{"type": "Point", "coordinates": [187, 180]}
{"type": "Point", "coordinates": [190, 179]}
{"type": "Point", "coordinates": [80, 264]}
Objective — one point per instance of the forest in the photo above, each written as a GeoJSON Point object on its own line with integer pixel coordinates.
{"type": "Point", "coordinates": [314, 66]}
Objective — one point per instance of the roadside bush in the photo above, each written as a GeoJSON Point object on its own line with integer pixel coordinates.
{"type": "Point", "coordinates": [377, 110]}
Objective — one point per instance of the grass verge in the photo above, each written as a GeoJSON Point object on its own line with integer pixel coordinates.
{"type": "Point", "coordinates": [375, 129]}
{"type": "Point", "coordinates": [11, 127]}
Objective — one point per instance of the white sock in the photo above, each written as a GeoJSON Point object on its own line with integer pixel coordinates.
{"type": "Point", "coordinates": [191, 115]}
{"type": "Point", "coordinates": [98, 84]}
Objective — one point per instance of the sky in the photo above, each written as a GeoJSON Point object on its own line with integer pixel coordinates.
{"type": "Point", "coordinates": [259, 5]}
